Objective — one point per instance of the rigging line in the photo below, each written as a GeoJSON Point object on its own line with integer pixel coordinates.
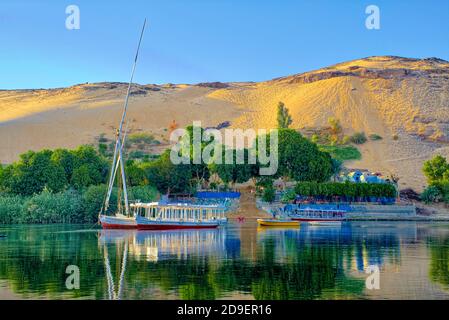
{"type": "Point", "coordinates": [122, 274]}
{"type": "Point", "coordinates": [125, 190]}
{"type": "Point", "coordinates": [108, 274]}
{"type": "Point", "coordinates": [115, 173]}
{"type": "Point", "coordinates": [119, 158]}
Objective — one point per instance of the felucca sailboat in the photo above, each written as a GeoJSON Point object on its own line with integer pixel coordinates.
{"type": "Point", "coordinates": [154, 215]}
{"type": "Point", "coordinates": [122, 218]}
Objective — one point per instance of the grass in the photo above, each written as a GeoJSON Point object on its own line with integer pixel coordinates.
{"type": "Point", "coordinates": [342, 153]}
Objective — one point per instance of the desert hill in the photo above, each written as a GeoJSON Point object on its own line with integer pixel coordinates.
{"type": "Point", "coordinates": [406, 101]}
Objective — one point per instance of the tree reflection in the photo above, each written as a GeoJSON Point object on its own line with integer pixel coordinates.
{"type": "Point", "coordinates": [200, 264]}
{"type": "Point", "coordinates": [439, 265]}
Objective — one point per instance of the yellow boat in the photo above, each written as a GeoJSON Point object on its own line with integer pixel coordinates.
{"type": "Point", "coordinates": [277, 223]}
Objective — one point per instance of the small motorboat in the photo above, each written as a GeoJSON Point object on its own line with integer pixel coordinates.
{"type": "Point", "coordinates": [2, 236]}
{"type": "Point", "coordinates": [277, 223]}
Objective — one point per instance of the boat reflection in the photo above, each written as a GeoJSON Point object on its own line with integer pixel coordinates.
{"type": "Point", "coordinates": [153, 246]}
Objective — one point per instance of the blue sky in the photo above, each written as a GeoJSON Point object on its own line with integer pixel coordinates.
{"type": "Point", "coordinates": [194, 41]}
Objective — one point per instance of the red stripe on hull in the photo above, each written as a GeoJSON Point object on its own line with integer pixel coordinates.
{"type": "Point", "coordinates": [171, 227]}
{"type": "Point", "coordinates": [315, 220]}
{"type": "Point", "coordinates": [118, 226]}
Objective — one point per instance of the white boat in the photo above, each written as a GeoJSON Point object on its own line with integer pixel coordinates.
{"type": "Point", "coordinates": [157, 216]}
{"type": "Point", "coordinates": [319, 217]}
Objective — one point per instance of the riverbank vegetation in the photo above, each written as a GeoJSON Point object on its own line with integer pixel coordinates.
{"type": "Point", "coordinates": [436, 171]}
{"type": "Point", "coordinates": [68, 206]}
{"type": "Point", "coordinates": [69, 185]}
{"type": "Point", "coordinates": [63, 186]}
{"type": "Point", "coordinates": [351, 192]}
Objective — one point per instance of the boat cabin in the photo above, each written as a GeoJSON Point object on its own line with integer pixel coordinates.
{"type": "Point", "coordinates": [178, 211]}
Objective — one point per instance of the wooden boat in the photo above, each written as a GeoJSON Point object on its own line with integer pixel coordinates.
{"type": "Point", "coordinates": [122, 218]}
{"type": "Point", "coordinates": [277, 223]}
{"type": "Point", "coordinates": [118, 222]}
{"type": "Point", "coordinates": [156, 216]}
{"type": "Point", "coordinates": [319, 217]}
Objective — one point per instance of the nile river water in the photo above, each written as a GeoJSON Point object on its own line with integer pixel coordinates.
{"type": "Point", "coordinates": [239, 261]}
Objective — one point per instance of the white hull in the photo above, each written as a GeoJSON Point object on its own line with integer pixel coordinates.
{"type": "Point", "coordinates": [159, 224]}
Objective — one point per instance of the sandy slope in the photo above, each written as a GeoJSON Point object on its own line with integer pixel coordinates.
{"type": "Point", "coordinates": [388, 96]}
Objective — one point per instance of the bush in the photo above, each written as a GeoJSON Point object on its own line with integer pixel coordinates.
{"type": "Point", "coordinates": [93, 200]}
{"type": "Point", "coordinates": [375, 137]}
{"type": "Point", "coordinates": [70, 206]}
{"type": "Point", "coordinates": [352, 191]}
{"type": "Point", "coordinates": [102, 138]}
{"type": "Point", "coordinates": [358, 138]}
{"type": "Point", "coordinates": [137, 154]}
{"type": "Point", "coordinates": [315, 138]}
{"type": "Point", "coordinates": [142, 138]}
{"type": "Point", "coordinates": [213, 185]}
{"type": "Point", "coordinates": [335, 125]}
{"type": "Point", "coordinates": [346, 140]}
{"type": "Point", "coordinates": [46, 207]}
{"type": "Point", "coordinates": [342, 153]}
{"type": "Point", "coordinates": [11, 209]}
{"type": "Point", "coordinates": [289, 196]}
{"type": "Point", "coordinates": [143, 193]}
{"type": "Point", "coordinates": [431, 194]}
{"type": "Point", "coordinates": [269, 194]}
{"type": "Point", "coordinates": [103, 149]}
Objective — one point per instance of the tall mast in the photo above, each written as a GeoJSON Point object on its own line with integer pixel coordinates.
{"type": "Point", "coordinates": [119, 143]}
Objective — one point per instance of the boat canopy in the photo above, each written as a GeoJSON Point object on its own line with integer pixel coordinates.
{"type": "Point", "coordinates": [176, 205]}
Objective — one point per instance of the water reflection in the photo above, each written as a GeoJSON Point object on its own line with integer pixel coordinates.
{"type": "Point", "coordinates": [239, 261]}
{"type": "Point", "coordinates": [156, 245]}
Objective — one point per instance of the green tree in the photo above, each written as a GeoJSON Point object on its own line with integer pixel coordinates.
{"type": "Point", "coordinates": [81, 177]}
{"type": "Point", "coordinates": [199, 169]}
{"type": "Point", "coordinates": [97, 166]}
{"type": "Point", "coordinates": [235, 172]}
{"type": "Point", "coordinates": [168, 177]}
{"type": "Point", "coordinates": [436, 169]}
{"type": "Point", "coordinates": [284, 119]}
{"type": "Point", "coordinates": [34, 172]}
{"type": "Point", "coordinates": [269, 194]}
{"type": "Point", "coordinates": [2, 177]}
{"type": "Point", "coordinates": [299, 159]}
{"type": "Point", "coordinates": [64, 158]}
{"type": "Point", "coordinates": [135, 175]}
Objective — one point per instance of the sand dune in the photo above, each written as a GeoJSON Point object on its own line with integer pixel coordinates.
{"type": "Point", "coordinates": [389, 96]}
